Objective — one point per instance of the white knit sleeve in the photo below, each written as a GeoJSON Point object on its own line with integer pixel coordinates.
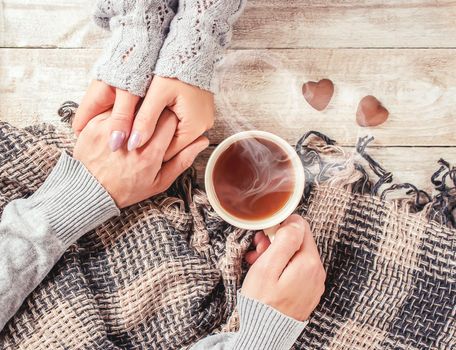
{"type": "Point", "coordinates": [199, 33]}
{"type": "Point", "coordinates": [138, 29]}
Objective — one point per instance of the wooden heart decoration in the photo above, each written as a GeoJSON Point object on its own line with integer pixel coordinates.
{"type": "Point", "coordinates": [318, 94]}
{"type": "Point", "coordinates": [371, 112]}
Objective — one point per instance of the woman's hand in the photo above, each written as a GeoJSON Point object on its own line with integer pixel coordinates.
{"type": "Point", "coordinates": [101, 97]}
{"type": "Point", "coordinates": [193, 107]}
{"type": "Point", "coordinates": [288, 275]}
{"type": "Point", "coordinates": [130, 177]}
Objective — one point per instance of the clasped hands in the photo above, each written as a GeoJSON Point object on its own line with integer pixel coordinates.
{"type": "Point", "coordinates": [133, 123]}
{"type": "Point", "coordinates": [145, 145]}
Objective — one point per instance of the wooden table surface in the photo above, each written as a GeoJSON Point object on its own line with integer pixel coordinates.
{"type": "Point", "coordinates": [402, 52]}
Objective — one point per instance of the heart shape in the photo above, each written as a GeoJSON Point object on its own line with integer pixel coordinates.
{"type": "Point", "coordinates": [371, 112]}
{"type": "Point", "coordinates": [318, 94]}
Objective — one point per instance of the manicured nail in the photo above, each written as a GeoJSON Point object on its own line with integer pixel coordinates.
{"type": "Point", "coordinates": [134, 140]}
{"type": "Point", "coordinates": [116, 140]}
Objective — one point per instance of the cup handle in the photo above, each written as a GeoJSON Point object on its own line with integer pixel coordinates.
{"type": "Point", "coordinates": [271, 231]}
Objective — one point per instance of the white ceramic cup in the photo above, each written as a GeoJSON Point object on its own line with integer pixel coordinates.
{"type": "Point", "coordinates": [270, 224]}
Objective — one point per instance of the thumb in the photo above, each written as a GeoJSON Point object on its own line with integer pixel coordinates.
{"type": "Point", "coordinates": [179, 163]}
{"type": "Point", "coordinates": [287, 242]}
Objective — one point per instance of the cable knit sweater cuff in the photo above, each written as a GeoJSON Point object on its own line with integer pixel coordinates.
{"type": "Point", "coordinates": [199, 33]}
{"type": "Point", "coordinates": [72, 200]}
{"type": "Point", "coordinates": [138, 31]}
{"type": "Point", "coordinates": [263, 327]}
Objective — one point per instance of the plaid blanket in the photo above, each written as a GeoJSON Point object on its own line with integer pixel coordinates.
{"type": "Point", "coordinates": [165, 272]}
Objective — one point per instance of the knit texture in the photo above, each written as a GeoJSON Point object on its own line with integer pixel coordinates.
{"type": "Point", "coordinates": [138, 29]}
{"type": "Point", "coordinates": [162, 275]}
{"type": "Point", "coordinates": [278, 332]}
{"type": "Point", "coordinates": [72, 200]}
{"type": "Point", "coordinates": [261, 327]}
{"type": "Point", "coordinates": [36, 231]}
{"type": "Point", "coordinates": [165, 273]}
{"type": "Point", "coordinates": [199, 33]}
{"type": "Point", "coordinates": [195, 39]}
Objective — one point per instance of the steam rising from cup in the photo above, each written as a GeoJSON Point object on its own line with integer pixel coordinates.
{"type": "Point", "coordinates": [263, 173]}
{"type": "Point", "coordinates": [254, 180]}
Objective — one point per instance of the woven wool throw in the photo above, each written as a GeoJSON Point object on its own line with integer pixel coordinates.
{"type": "Point", "coordinates": [166, 271]}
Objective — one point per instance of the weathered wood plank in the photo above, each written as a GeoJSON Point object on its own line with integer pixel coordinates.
{"type": "Point", "coordinates": [342, 23]}
{"type": "Point", "coordinates": [408, 164]}
{"type": "Point", "coordinates": [262, 89]}
{"type": "Point", "coordinates": [34, 83]}
{"type": "Point", "coordinates": [49, 23]}
{"type": "Point", "coordinates": [265, 24]}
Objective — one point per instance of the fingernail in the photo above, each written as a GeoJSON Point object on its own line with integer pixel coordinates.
{"type": "Point", "coordinates": [296, 225]}
{"type": "Point", "coordinates": [116, 140]}
{"type": "Point", "coordinates": [296, 221]}
{"type": "Point", "coordinates": [134, 140]}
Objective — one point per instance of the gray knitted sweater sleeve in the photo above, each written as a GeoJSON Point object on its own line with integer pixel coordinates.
{"type": "Point", "coordinates": [198, 34]}
{"type": "Point", "coordinates": [138, 29]}
{"type": "Point", "coordinates": [261, 327]}
{"type": "Point", "coordinates": [148, 37]}
{"type": "Point", "coordinates": [36, 231]}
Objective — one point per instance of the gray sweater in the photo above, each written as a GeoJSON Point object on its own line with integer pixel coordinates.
{"type": "Point", "coordinates": [179, 39]}
{"type": "Point", "coordinates": [35, 232]}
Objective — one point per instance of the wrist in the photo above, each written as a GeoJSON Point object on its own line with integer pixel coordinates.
{"type": "Point", "coordinates": [137, 36]}
{"type": "Point", "coordinates": [72, 200]}
{"type": "Point", "coordinates": [196, 41]}
{"type": "Point", "coordinates": [263, 327]}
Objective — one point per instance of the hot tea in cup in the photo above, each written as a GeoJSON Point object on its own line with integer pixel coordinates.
{"type": "Point", "coordinates": [254, 180]}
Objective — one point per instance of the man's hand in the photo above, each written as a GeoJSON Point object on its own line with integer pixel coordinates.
{"type": "Point", "coordinates": [101, 97]}
{"type": "Point", "coordinates": [288, 275]}
{"type": "Point", "coordinates": [130, 177]}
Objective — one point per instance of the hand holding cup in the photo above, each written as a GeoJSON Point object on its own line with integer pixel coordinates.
{"type": "Point", "coordinates": [254, 180]}
{"type": "Point", "coordinates": [289, 275]}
